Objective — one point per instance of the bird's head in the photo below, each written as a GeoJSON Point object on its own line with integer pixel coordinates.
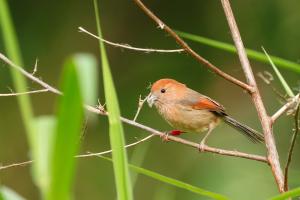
{"type": "Point", "coordinates": [165, 91]}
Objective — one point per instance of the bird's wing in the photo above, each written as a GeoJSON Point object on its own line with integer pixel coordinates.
{"type": "Point", "coordinates": [199, 102]}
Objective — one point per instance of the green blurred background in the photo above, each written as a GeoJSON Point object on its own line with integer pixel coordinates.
{"type": "Point", "coordinates": [47, 30]}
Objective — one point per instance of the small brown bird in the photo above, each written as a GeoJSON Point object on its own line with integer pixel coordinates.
{"type": "Point", "coordinates": [190, 111]}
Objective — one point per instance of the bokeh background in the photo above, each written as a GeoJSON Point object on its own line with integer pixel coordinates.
{"type": "Point", "coordinates": [47, 30]}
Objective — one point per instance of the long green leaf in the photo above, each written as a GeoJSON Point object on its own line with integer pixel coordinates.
{"type": "Point", "coordinates": [8, 194]}
{"type": "Point", "coordinates": [44, 129]}
{"type": "Point", "coordinates": [67, 136]}
{"type": "Point", "coordinates": [292, 193]}
{"type": "Point", "coordinates": [258, 56]}
{"type": "Point", "coordinates": [280, 77]}
{"type": "Point", "coordinates": [116, 133]}
{"type": "Point", "coordinates": [86, 66]}
{"type": "Point", "coordinates": [174, 182]}
{"type": "Point", "coordinates": [13, 51]}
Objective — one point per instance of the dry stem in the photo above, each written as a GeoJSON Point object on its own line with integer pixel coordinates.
{"type": "Point", "coordinates": [138, 125]}
{"type": "Point", "coordinates": [291, 150]}
{"type": "Point", "coordinates": [186, 47]}
{"type": "Point", "coordinates": [290, 104]}
{"type": "Point", "coordinates": [266, 123]}
{"type": "Point", "coordinates": [24, 93]}
{"type": "Point", "coordinates": [126, 46]}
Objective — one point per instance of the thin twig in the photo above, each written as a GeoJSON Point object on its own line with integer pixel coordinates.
{"type": "Point", "coordinates": [273, 157]}
{"type": "Point", "coordinates": [35, 67]}
{"type": "Point", "coordinates": [29, 75]}
{"type": "Point", "coordinates": [127, 46]}
{"type": "Point", "coordinates": [109, 151]}
{"type": "Point", "coordinates": [102, 111]}
{"type": "Point", "coordinates": [140, 105]}
{"type": "Point", "coordinates": [24, 93]}
{"type": "Point", "coordinates": [291, 150]}
{"type": "Point", "coordinates": [290, 104]}
{"type": "Point", "coordinates": [185, 46]}
{"type": "Point", "coordinates": [78, 156]}
{"type": "Point", "coordinates": [16, 165]}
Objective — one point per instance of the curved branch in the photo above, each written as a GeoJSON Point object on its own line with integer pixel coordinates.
{"type": "Point", "coordinates": [126, 46]}
{"type": "Point", "coordinates": [185, 46]}
{"type": "Point", "coordinates": [101, 111]}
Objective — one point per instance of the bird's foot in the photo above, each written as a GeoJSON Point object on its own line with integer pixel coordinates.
{"type": "Point", "coordinates": [165, 137]}
{"type": "Point", "coordinates": [202, 146]}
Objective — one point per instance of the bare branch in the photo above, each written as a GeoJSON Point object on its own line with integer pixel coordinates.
{"type": "Point", "coordinates": [78, 156]}
{"type": "Point", "coordinates": [24, 93]}
{"type": "Point", "coordinates": [291, 150]}
{"type": "Point", "coordinates": [186, 47]}
{"type": "Point", "coordinates": [29, 75]}
{"type": "Point", "coordinates": [109, 151]}
{"type": "Point", "coordinates": [102, 111]}
{"type": "Point", "coordinates": [293, 103]}
{"type": "Point", "coordinates": [16, 165]}
{"type": "Point", "coordinates": [273, 157]}
{"type": "Point", "coordinates": [140, 105]}
{"type": "Point", "coordinates": [126, 46]}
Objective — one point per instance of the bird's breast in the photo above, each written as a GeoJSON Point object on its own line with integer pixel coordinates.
{"type": "Point", "coordinates": [188, 119]}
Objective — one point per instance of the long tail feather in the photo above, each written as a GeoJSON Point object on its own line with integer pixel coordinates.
{"type": "Point", "coordinates": [252, 134]}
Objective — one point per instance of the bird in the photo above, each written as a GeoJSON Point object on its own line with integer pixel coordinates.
{"type": "Point", "coordinates": [187, 110]}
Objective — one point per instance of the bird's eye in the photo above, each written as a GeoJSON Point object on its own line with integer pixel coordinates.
{"type": "Point", "coordinates": [163, 90]}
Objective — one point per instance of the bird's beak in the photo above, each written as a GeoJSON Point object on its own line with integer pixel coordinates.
{"type": "Point", "coordinates": [151, 99]}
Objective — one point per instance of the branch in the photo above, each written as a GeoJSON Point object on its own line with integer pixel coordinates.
{"type": "Point", "coordinates": [126, 46]}
{"type": "Point", "coordinates": [78, 156]}
{"type": "Point", "coordinates": [102, 111]}
{"type": "Point", "coordinates": [290, 154]}
{"type": "Point", "coordinates": [140, 105]}
{"type": "Point", "coordinates": [186, 47]}
{"type": "Point", "coordinates": [293, 103]}
{"type": "Point", "coordinates": [24, 93]}
{"type": "Point", "coordinates": [29, 75]}
{"type": "Point", "coordinates": [266, 123]}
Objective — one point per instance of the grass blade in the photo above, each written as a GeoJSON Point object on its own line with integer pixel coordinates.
{"type": "Point", "coordinates": [44, 129]}
{"type": "Point", "coordinates": [292, 193]}
{"type": "Point", "coordinates": [174, 182]}
{"type": "Point", "coordinates": [67, 136]}
{"type": "Point", "coordinates": [8, 194]}
{"type": "Point", "coordinates": [280, 77]}
{"type": "Point", "coordinates": [116, 133]}
{"type": "Point", "coordinates": [255, 55]}
{"type": "Point", "coordinates": [86, 66]}
{"type": "Point", "coordinates": [13, 51]}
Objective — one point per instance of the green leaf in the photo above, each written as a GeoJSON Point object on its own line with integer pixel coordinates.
{"type": "Point", "coordinates": [258, 56]}
{"type": "Point", "coordinates": [13, 51]}
{"type": "Point", "coordinates": [292, 193]}
{"type": "Point", "coordinates": [8, 194]}
{"type": "Point", "coordinates": [44, 130]}
{"type": "Point", "coordinates": [280, 77]}
{"type": "Point", "coordinates": [67, 136]}
{"type": "Point", "coordinates": [86, 66]}
{"type": "Point", "coordinates": [116, 133]}
{"type": "Point", "coordinates": [174, 182]}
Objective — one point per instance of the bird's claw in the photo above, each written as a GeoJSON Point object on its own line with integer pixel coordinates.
{"type": "Point", "coordinates": [201, 147]}
{"type": "Point", "coordinates": [165, 136]}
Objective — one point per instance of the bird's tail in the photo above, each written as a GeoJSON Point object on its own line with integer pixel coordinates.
{"type": "Point", "coordinates": [252, 134]}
